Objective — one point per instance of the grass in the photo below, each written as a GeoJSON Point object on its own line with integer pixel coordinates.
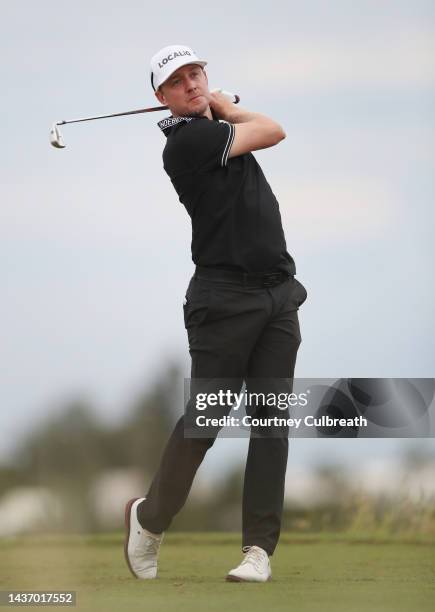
{"type": "Point", "coordinates": [339, 573]}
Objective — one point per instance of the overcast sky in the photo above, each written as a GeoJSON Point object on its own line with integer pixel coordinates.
{"type": "Point", "coordinates": [95, 247]}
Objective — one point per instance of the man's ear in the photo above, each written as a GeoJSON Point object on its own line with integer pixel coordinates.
{"type": "Point", "coordinates": [160, 97]}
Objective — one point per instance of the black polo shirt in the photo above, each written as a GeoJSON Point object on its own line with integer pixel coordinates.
{"type": "Point", "coordinates": [236, 223]}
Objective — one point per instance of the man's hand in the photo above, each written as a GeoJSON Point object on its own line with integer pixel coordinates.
{"type": "Point", "coordinates": [222, 106]}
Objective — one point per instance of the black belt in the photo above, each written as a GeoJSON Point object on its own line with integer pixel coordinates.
{"type": "Point", "coordinates": [244, 278]}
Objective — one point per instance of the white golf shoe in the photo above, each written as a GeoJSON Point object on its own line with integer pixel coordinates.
{"type": "Point", "coordinates": [255, 567]}
{"type": "Point", "coordinates": [141, 547]}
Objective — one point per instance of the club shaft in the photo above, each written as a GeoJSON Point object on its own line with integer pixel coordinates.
{"type": "Point", "coordinates": [133, 112]}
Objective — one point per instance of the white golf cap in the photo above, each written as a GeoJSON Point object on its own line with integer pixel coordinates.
{"type": "Point", "coordinates": [166, 61]}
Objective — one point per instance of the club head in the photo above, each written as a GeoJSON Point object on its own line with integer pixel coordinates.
{"type": "Point", "coordinates": [56, 137]}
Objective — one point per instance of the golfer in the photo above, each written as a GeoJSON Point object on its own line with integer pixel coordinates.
{"type": "Point", "coordinates": [240, 308]}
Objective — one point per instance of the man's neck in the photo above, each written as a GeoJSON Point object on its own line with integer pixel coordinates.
{"type": "Point", "coordinates": [207, 113]}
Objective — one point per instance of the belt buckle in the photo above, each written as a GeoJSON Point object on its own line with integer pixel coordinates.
{"type": "Point", "coordinates": [270, 280]}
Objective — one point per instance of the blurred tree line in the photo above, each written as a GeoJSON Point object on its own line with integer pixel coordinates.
{"type": "Point", "coordinates": [69, 451]}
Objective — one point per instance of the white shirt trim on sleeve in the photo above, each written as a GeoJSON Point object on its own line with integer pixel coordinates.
{"type": "Point", "coordinates": [229, 143]}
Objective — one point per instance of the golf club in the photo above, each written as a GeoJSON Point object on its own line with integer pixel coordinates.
{"type": "Point", "coordinates": [56, 138]}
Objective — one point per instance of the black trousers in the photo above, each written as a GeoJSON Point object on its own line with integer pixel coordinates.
{"type": "Point", "coordinates": [242, 332]}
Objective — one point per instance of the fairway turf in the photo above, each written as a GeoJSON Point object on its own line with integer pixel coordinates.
{"type": "Point", "coordinates": [310, 573]}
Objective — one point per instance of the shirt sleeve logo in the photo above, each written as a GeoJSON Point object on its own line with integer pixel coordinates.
{"type": "Point", "coordinates": [169, 122]}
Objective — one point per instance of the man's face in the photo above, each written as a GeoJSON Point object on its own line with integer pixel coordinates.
{"type": "Point", "coordinates": [186, 91]}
